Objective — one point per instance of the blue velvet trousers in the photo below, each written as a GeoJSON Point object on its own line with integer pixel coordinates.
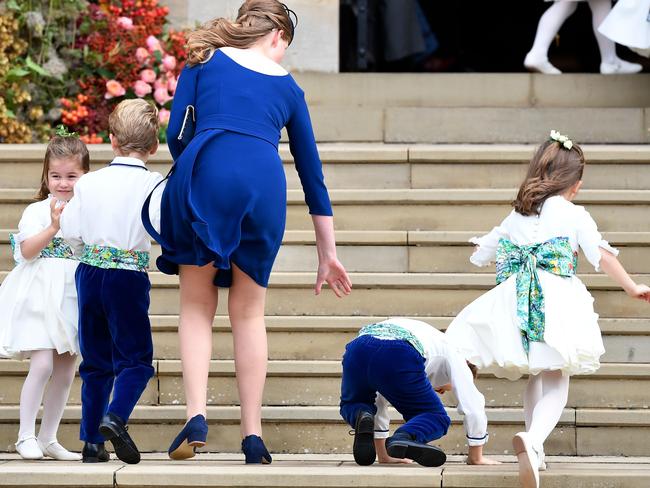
{"type": "Point", "coordinates": [395, 369]}
{"type": "Point", "coordinates": [115, 343]}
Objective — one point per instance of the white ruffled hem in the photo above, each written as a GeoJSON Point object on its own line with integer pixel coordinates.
{"type": "Point", "coordinates": [479, 258]}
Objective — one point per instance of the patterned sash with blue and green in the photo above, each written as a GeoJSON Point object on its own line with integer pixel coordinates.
{"type": "Point", "coordinates": [107, 257]}
{"type": "Point", "coordinates": [388, 330]}
{"type": "Point", "coordinates": [56, 248]}
{"type": "Point", "coordinates": [554, 256]}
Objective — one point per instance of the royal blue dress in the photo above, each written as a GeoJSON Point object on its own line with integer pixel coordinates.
{"type": "Point", "coordinates": [225, 201]}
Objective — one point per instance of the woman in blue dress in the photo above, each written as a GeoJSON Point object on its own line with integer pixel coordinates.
{"type": "Point", "coordinates": [223, 210]}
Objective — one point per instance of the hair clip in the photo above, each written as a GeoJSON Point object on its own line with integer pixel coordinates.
{"type": "Point", "coordinates": [564, 141]}
{"type": "Point", "coordinates": [62, 131]}
{"type": "Point", "coordinates": [291, 13]}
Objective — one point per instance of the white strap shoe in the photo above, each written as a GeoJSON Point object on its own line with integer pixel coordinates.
{"type": "Point", "coordinates": [57, 451]}
{"type": "Point", "coordinates": [28, 448]}
{"type": "Point", "coordinates": [620, 67]}
{"type": "Point", "coordinates": [542, 463]}
{"type": "Point", "coordinates": [540, 65]}
{"type": "Point", "coordinates": [528, 460]}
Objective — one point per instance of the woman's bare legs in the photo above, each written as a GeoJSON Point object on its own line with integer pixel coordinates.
{"type": "Point", "coordinates": [246, 302]}
{"type": "Point", "coordinates": [199, 299]}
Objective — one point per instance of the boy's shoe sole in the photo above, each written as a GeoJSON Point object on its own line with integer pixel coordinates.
{"type": "Point", "coordinates": [364, 439]}
{"type": "Point", "coordinates": [423, 454]}
{"type": "Point", "coordinates": [125, 451]}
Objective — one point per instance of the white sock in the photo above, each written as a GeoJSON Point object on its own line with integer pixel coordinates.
{"type": "Point", "coordinates": [40, 370]}
{"type": "Point", "coordinates": [549, 25]}
{"type": "Point", "coordinates": [548, 410]}
{"type": "Point", "coordinates": [56, 396]}
{"type": "Point", "coordinates": [599, 10]}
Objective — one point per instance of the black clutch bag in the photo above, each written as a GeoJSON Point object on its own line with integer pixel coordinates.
{"type": "Point", "coordinates": [189, 126]}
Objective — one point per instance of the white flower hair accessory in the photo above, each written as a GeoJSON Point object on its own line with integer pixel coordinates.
{"type": "Point", "coordinates": [562, 139]}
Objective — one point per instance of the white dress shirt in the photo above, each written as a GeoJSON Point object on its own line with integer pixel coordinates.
{"type": "Point", "coordinates": [106, 207]}
{"type": "Point", "coordinates": [442, 365]}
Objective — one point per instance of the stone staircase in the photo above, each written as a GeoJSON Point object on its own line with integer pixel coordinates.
{"type": "Point", "coordinates": [403, 214]}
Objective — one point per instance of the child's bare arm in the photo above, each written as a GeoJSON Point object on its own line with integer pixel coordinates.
{"type": "Point", "coordinates": [32, 246]}
{"type": "Point", "coordinates": [613, 268]}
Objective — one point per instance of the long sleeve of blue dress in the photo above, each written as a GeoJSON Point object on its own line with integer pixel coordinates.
{"type": "Point", "coordinates": [302, 145]}
{"type": "Point", "coordinates": [185, 95]}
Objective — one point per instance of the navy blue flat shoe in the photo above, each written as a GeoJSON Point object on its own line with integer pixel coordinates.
{"type": "Point", "coordinates": [193, 435]}
{"type": "Point", "coordinates": [255, 450]}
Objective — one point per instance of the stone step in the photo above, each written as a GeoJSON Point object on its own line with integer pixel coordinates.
{"type": "Point", "coordinates": [358, 165]}
{"type": "Point", "coordinates": [397, 294]}
{"type": "Point", "coordinates": [487, 90]}
{"type": "Point", "coordinates": [324, 338]}
{"type": "Point", "coordinates": [319, 429]}
{"type": "Point", "coordinates": [318, 383]}
{"type": "Point", "coordinates": [402, 252]}
{"type": "Point", "coordinates": [319, 471]}
{"type": "Point", "coordinates": [421, 209]}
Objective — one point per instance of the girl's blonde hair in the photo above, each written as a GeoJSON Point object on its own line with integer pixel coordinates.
{"type": "Point", "coordinates": [255, 19]}
{"type": "Point", "coordinates": [552, 171]}
{"type": "Point", "coordinates": [60, 147]}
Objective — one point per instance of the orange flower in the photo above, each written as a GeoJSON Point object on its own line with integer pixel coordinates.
{"type": "Point", "coordinates": [114, 89]}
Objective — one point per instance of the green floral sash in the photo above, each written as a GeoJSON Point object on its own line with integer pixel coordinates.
{"type": "Point", "coordinates": [107, 257]}
{"type": "Point", "coordinates": [554, 256]}
{"type": "Point", "coordinates": [56, 248]}
{"type": "Point", "coordinates": [393, 331]}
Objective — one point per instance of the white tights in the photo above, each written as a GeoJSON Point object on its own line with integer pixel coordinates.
{"type": "Point", "coordinates": [556, 15]}
{"type": "Point", "coordinates": [544, 400]}
{"type": "Point", "coordinates": [59, 369]}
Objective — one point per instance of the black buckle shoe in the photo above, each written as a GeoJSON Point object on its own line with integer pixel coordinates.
{"type": "Point", "coordinates": [114, 430]}
{"type": "Point", "coordinates": [94, 453]}
{"type": "Point", "coordinates": [364, 439]}
{"type": "Point", "coordinates": [401, 445]}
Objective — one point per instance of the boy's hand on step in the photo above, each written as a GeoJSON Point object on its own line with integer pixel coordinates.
{"type": "Point", "coordinates": [642, 292]}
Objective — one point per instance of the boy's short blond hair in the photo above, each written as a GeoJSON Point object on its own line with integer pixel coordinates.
{"type": "Point", "coordinates": [134, 123]}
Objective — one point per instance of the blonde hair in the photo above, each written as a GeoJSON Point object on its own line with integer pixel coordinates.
{"type": "Point", "coordinates": [134, 123]}
{"type": "Point", "coordinates": [61, 147]}
{"type": "Point", "coordinates": [255, 19]}
{"type": "Point", "coordinates": [552, 171]}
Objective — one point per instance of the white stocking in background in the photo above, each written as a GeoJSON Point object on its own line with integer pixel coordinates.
{"type": "Point", "coordinates": [548, 27]}
{"type": "Point", "coordinates": [532, 395]}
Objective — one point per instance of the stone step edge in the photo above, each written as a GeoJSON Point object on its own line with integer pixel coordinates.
{"type": "Point", "coordinates": [322, 369]}
{"type": "Point", "coordinates": [581, 417]}
{"type": "Point", "coordinates": [352, 323]}
{"type": "Point", "coordinates": [317, 471]}
{"type": "Point", "coordinates": [423, 281]}
{"type": "Point", "coordinates": [410, 196]}
{"type": "Point", "coordinates": [409, 237]}
{"type": "Point", "coordinates": [351, 152]}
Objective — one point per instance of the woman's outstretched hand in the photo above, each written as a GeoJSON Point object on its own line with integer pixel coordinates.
{"type": "Point", "coordinates": [332, 272]}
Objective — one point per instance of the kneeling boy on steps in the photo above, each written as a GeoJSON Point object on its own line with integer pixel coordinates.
{"type": "Point", "coordinates": [405, 362]}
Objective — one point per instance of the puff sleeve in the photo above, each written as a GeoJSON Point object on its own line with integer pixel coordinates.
{"type": "Point", "coordinates": [590, 240]}
{"type": "Point", "coordinates": [487, 244]}
{"type": "Point", "coordinates": [31, 223]}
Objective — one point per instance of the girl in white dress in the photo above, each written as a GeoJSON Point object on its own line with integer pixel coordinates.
{"type": "Point", "coordinates": [539, 320]}
{"type": "Point", "coordinates": [550, 24]}
{"type": "Point", "coordinates": [38, 302]}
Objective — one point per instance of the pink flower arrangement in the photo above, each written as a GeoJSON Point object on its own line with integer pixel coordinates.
{"type": "Point", "coordinates": [161, 96]}
{"type": "Point", "coordinates": [148, 75]}
{"type": "Point", "coordinates": [153, 44]}
{"type": "Point", "coordinates": [114, 89]}
{"type": "Point", "coordinates": [125, 23]}
{"type": "Point", "coordinates": [141, 55]}
{"type": "Point", "coordinates": [163, 116]}
{"type": "Point", "coordinates": [169, 63]}
{"type": "Point", "coordinates": [141, 88]}
{"type": "Point", "coordinates": [171, 84]}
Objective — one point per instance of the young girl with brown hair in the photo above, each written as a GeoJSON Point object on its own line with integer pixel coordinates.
{"type": "Point", "coordinates": [38, 300]}
{"type": "Point", "coordinates": [539, 320]}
